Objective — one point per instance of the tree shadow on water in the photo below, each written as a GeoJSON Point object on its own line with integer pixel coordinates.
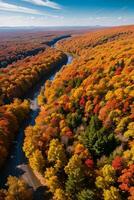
{"type": "Point", "coordinates": [41, 194]}
{"type": "Point", "coordinates": [3, 177]}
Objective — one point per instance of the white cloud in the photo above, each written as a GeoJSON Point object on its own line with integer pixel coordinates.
{"type": "Point", "coordinates": [14, 8]}
{"type": "Point", "coordinates": [46, 3]}
{"type": "Point", "coordinates": [20, 9]}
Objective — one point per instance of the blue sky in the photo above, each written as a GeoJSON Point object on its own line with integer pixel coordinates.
{"type": "Point", "coordinates": [66, 12]}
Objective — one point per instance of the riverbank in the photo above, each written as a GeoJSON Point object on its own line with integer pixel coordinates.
{"type": "Point", "coordinates": [24, 52]}
{"type": "Point", "coordinates": [16, 164]}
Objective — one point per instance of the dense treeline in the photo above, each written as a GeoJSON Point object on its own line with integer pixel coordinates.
{"type": "Point", "coordinates": [82, 143]}
{"type": "Point", "coordinates": [11, 117]}
{"type": "Point", "coordinates": [18, 45]}
{"type": "Point", "coordinates": [16, 80]}
{"type": "Point", "coordinates": [93, 39]}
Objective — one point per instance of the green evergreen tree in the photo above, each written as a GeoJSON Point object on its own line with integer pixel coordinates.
{"type": "Point", "coordinates": [86, 194]}
{"type": "Point", "coordinates": [74, 184]}
{"type": "Point", "coordinates": [98, 139]}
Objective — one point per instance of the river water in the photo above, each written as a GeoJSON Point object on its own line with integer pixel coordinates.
{"type": "Point", "coordinates": [17, 164]}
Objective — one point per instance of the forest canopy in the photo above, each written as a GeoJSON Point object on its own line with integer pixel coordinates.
{"type": "Point", "coordinates": [82, 143]}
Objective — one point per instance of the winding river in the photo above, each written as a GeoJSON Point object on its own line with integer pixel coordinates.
{"type": "Point", "coordinates": [17, 164]}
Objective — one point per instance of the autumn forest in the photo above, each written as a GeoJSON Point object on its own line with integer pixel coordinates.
{"type": "Point", "coordinates": [67, 115]}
